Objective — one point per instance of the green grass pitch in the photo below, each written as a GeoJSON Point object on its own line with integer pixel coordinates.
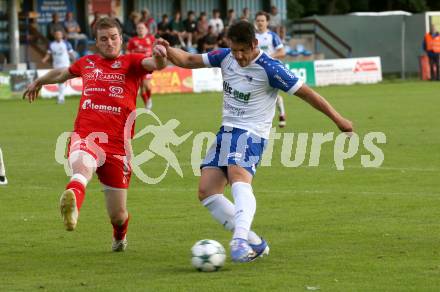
{"type": "Point", "coordinates": [361, 229]}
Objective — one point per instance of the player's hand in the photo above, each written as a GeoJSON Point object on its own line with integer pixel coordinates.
{"type": "Point", "coordinates": [159, 51]}
{"type": "Point", "coordinates": [32, 91]}
{"type": "Point", "coordinates": [345, 126]}
{"type": "Point", "coordinates": [162, 42]}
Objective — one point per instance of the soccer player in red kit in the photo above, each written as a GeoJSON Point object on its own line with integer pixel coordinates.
{"type": "Point", "coordinates": [110, 86]}
{"type": "Point", "coordinates": [143, 44]}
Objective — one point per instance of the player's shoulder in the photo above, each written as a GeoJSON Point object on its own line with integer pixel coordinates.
{"type": "Point", "coordinates": [88, 60]}
{"type": "Point", "coordinates": [220, 52]}
{"type": "Point", "coordinates": [273, 34]}
{"type": "Point", "coordinates": [267, 62]}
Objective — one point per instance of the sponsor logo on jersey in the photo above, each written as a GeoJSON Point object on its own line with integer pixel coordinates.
{"type": "Point", "coordinates": [90, 65]}
{"type": "Point", "coordinates": [281, 80]}
{"type": "Point", "coordinates": [88, 104]}
{"type": "Point", "coordinates": [90, 90]}
{"type": "Point", "coordinates": [116, 91]}
{"type": "Point", "coordinates": [116, 65]}
{"type": "Point", "coordinates": [235, 94]}
{"type": "Point", "coordinates": [238, 112]}
{"type": "Point", "coordinates": [98, 74]}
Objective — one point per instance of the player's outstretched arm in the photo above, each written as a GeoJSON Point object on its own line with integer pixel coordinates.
{"type": "Point", "coordinates": [181, 58]}
{"type": "Point", "coordinates": [59, 75]}
{"type": "Point", "coordinates": [321, 104]}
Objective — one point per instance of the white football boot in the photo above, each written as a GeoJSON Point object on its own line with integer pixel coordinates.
{"type": "Point", "coordinates": [69, 210]}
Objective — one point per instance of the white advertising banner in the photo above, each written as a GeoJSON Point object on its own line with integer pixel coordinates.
{"type": "Point", "coordinates": [73, 86]}
{"type": "Point", "coordinates": [348, 71]}
{"type": "Point", "coordinates": [207, 79]}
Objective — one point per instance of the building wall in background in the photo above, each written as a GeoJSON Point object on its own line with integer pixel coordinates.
{"type": "Point", "coordinates": [379, 36]}
{"type": "Point", "coordinates": [253, 5]}
{"type": "Point", "coordinates": [156, 7]}
{"type": "Point", "coordinates": [199, 6]}
{"type": "Point", "coordinates": [282, 7]}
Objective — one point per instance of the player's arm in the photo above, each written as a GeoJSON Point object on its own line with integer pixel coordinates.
{"type": "Point", "coordinates": [45, 58]}
{"type": "Point", "coordinates": [279, 53]}
{"type": "Point", "coordinates": [321, 104]}
{"type": "Point", "coordinates": [158, 61]}
{"type": "Point", "coordinates": [181, 58]}
{"type": "Point", "coordinates": [58, 75]}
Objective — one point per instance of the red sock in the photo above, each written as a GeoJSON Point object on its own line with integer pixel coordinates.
{"type": "Point", "coordinates": [79, 190]}
{"type": "Point", "coordinates": [146, 96]}
{"type": "Point", "coordinates": [119, 231]}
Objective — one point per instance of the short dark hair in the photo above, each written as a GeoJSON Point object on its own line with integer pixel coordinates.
{"type": "Point", "coordinates": [107, 22]}
{"type": "Point", "coordinates": [264, 13]}
{"type": "Point", "coordinates": [242, 32]}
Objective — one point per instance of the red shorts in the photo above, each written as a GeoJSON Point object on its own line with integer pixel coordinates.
{"type": "Point", "coordinates": [113, 170]}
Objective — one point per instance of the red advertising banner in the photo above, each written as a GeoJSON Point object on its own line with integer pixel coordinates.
{"type": "Point", "coordinates": [171, 80]}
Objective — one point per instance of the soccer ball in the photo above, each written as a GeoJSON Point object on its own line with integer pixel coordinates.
{"type": "Point", "coordinates": [208, 255]}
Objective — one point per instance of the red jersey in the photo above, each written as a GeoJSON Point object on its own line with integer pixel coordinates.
{"type": "Point", "coordinates": [142, 45]}
{"type": "Point", "coordinates": [109, 94]}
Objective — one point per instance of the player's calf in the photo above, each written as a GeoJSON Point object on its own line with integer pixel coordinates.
{"type": "Point", "coordinates": [120, 235]}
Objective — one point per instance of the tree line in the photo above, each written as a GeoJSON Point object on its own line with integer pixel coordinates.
{"type": "Point", "coordinates": [301, 8]}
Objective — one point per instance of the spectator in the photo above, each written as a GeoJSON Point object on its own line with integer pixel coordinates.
{"type": "Point", "coordinates": [190, 25]}
{"type": "Point", "coordinates": [431, 45]}
{"type": "Point", "coordinates": [208, 42]}
{"type": "Point", "coordinates": [149, 21]}
{"type": "Point", "coordinates": [96, 17]}
{"type": "Point", "coordinates": [275, 23]}
{"type": "Point", "coordinates": [113, 15]}
{"type": "Point", "coordinates": [202, 25]}
{"type": "Point", "coordinates": [245, 15]}
{"type": "Point", "coordinates": [216, 22]}
{"type": "Point", "coordinates": [230, 18]}
{"type": "Point", "coordinates": [222, 40]}
{"type": "Point", "coordinates": [74, 36]}
{"type": "Point", "coordinates": [177, 28]}
{"type": "Point", "coordinates": [164, 30]}
{"type": "Point", "coordinates": [130, 25]}
{"type": "Point", "coordinates": [53, 26]}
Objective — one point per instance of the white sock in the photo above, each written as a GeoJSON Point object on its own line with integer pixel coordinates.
{"type": "Point", "coordinates": [2, 165]}
{"type": "Point", "coordinates": [80, 178]}
{"type": "Point", "coordinates": [223, 212]}
{"type": "Point", "coordinates": [245, 206]}
{"type": "Point", "coordinates": [280, 105]}
{"type": "Point", "coordinates": [149, 104]}
{"type": "Point", "coordinates": [61, 88]}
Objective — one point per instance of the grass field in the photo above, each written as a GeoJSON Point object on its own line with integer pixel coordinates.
{"type": "Point", "coordinates": [361, 229]}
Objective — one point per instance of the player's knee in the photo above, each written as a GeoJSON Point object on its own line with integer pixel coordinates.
{"type": "Point", "coordinates": [204, 192]}
{"type": "Point", "coordinates": [118, 217]}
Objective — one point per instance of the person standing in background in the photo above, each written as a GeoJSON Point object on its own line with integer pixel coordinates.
{"type": "Point", "coordinates": [143, 44]}
{"type": "Point", "coordinates": [61, 51]}
{"type": "Point", "coordinates": [3, 179]}
{"type": "Point", "coordinates": [431, 45]}
{"type": "Point", "coordinates": [270, 43]}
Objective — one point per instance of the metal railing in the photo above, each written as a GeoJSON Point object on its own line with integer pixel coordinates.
{"type": "Point", "coordinates": [316, 29]}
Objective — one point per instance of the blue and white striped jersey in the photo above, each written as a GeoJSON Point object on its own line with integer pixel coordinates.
{"type": "Point", "coordinates": [269, 42]}
{"type": "Point", "coordinates": [60, 53]}
{"type": "Point", "coordinates": [250, 93]}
